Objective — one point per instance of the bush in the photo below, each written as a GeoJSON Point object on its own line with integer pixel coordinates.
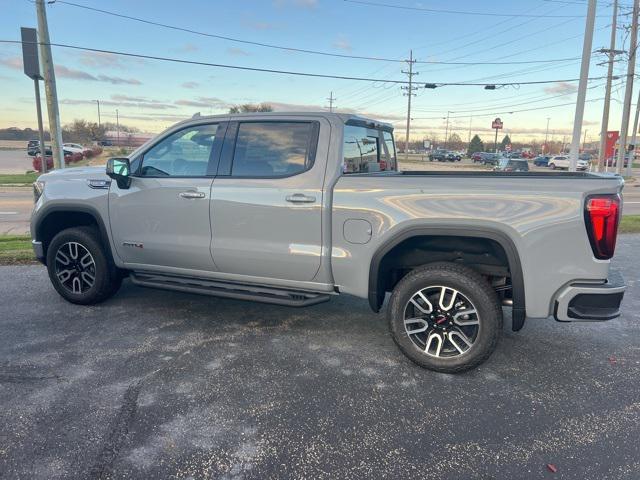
{"type": "Point", "coordinates": [37, 163]}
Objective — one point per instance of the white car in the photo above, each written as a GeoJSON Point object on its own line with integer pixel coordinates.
{"type": "Point", "coordinates": [73, 147]}
{"type": "Point", "coordinates": [562, 161]}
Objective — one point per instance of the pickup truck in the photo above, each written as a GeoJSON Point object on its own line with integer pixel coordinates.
{"type": "Point", "coordinates": [293, 209]}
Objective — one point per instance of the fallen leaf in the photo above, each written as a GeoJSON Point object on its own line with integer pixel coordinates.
{"type": "Point", "coordinates": [552, 468]}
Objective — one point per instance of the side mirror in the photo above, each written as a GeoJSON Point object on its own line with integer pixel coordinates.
{"type": "Point", "coordinates": [120, 170]}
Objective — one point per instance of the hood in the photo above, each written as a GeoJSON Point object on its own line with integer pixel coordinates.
{"type": "Point", "coordinates": [97, 172]}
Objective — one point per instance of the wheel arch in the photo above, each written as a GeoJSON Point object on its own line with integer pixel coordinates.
{"type": "Point", "coordinates": [376, 290]}
{"type": "Point", "coordinates": [52, 219]}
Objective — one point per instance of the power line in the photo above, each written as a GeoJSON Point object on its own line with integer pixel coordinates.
{"type": "Point", "coordinates": [296, 73]}
{"type": "Point", "coordinates": [458, 12]}
{"type": "Point", "coordinates": [297, 49]}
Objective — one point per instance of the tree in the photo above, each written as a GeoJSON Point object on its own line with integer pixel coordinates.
{"type": "Point", "coordinates": [505, 141]}
{"type": "Point", "coordinates": [250, 107]}
{"type": "Point", "coordinates": [475, 145]}
{"type": "Point", "coordinates": [455, 142]}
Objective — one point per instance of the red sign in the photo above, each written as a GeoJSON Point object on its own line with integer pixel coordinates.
{"type": "Point", "coordinates": [497, 124]}
{"type": "Point", "coordinates": [507, 147]}
{"type": "Point", "coordinates": [610, 147]}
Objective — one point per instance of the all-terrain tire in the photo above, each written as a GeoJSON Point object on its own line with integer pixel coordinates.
{"type": "Point", "coordinates": [97, 265]}
{"type": "Point", "coordinates": [469, 284]}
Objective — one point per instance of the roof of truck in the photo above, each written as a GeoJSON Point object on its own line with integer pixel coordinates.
{"type": "Point", "coordinates": [343, 117]}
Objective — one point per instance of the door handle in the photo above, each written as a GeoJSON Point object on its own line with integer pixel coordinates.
{"type": "Point", "coordinates": [300, 198]}
{"type": "Point", "coordinates": [191, 194]}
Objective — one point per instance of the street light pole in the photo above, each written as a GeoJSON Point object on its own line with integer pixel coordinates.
{"type": "Point", "coordinates": [582, 85]}
{"type": "Point", "coordinates": [98, 102]}
{"type": "Point", "coordinates": [626, 108]}
{"type": "Point", "coordinates": [446, 132]}
{"type": "Point", "coordinates": [607, 94]}
{"type": "Point", "coordinates": [117, 128]}
{"type": "Point", "coordinates": [546, 136]}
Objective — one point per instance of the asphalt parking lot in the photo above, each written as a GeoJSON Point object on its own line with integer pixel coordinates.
{"type": "Point", "coordinates": [154, 384]}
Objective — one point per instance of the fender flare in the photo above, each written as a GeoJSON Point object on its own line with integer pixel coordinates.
{"type": "Point", "coordinates": [71, 208]}
{"type": "Point", "coordinates": [376, 292]}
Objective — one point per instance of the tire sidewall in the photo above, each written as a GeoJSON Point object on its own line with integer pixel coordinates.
{"type": "Point", "coordinates": [87, 238]}
{"type": "Point", "coordinates": [481, 296]}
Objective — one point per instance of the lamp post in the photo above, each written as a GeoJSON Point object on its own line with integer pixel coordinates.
{"type": "Point", "coordinates": [98, 102]}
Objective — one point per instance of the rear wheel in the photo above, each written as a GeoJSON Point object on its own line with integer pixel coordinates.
{"type": "Point", "coordinates": [79, 269]}
{"type": "Point", "coordinates": [445, 317]}
{"type": "Point", "coordinates": [552, 166]}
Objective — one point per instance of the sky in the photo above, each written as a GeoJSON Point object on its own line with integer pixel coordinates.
{"type": "Point", "coordinates": [152, 95]}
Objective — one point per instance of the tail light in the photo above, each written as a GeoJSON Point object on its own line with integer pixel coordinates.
{"type": "Point", "coordinates": [602, 215]}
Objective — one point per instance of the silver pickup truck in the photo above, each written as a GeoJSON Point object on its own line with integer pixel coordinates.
{"type": "Point", "coordinates": [291, 209]}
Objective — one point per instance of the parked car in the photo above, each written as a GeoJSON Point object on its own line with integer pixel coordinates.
{"type": "Point", "coordinates": [453, 157]}
{"type": "Point", "coordinates": [73, 147]}
{"type": "Point", "coordinates": [438, 155]}
{"type": "Point", "coordinates": [292, 209]}
{"type": "Point", "coordinates": [562, 162]}
{"type": "Point", "coordinates": [512, 165]}
{"type": "Point", "coordinates": [476, 157]}
{"type": "Point", "coordinates": [490, 158]}
{"type": "Point", "coordinates": [105, 143]}
{"type": "Point", "coordinates": [541, 161]}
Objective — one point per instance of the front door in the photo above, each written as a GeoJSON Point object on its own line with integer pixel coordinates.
{"type": "Point", "coordinates": [163, 218]}
{"type": "Point", "coordinates": [267, 199]}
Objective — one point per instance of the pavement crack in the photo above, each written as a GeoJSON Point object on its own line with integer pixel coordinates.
{"type": "Point", "coordinates": [117, 434]}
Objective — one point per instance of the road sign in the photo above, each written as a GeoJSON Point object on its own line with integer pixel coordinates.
{"type": "Point", "coordinates": [30, 59]}
{"type": "Point", "coordinates": [507, 147]}
{"type": "Point", "coordinates": [497, 124]}
{"type": "Point", "coordinates": [427, 144]}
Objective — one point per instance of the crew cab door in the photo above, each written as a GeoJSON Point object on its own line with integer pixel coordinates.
{"type": "Point", "coordinates": [162, 220]}
{"type": "Point", "coordinates": [267, 199]}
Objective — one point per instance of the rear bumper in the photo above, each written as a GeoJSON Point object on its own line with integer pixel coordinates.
{"type": "Point", "coordinates": [590, 302]}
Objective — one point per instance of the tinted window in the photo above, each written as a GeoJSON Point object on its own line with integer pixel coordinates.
{"type": "Point", "coordinates": [390, 151]}
{"type": "Point", "coordinates": [364, 152]}
{"type": "Point", "coordinates": [184, 153]}
{"type": "Point", "coordinates": [272, 149]}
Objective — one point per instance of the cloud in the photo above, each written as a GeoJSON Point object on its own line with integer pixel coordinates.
{"type": "Point", "coordinates": [13, 62]}
{"type": "Point", "coordinates": [237, 52]}
{"type": "Point", "coordinates": [101, 60]}
{"type": "Point", "coordinates": [561, 88]}
{"type": "Point", "coordinates": [296, 3]}
{"type": "Point", "coordinates": [205, 102]}
{"type": "Point", "coordinates": [342, 43]}
{"type": "Point", "coordinates": [122, 102]}
{"type": "Point", "coordinates": [188, 47]}
{"type": "Point", "coordinates": [261, 26]}
{"type": "Point", "coordinates": [66, 72]}
{"type": "Point", "coordinates": [190, 85]}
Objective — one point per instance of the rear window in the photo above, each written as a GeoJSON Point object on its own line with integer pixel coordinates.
{"type": "Point", "coordinates": [368, 150]}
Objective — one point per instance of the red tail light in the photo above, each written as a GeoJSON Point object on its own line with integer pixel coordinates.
{"type": "Point", "coordinates": [601, 215]}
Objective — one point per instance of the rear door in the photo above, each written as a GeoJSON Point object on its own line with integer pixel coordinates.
{"type": "Point", "coordinates": [162, 220]}
{"type": "Point", "coordinates": [266, 211]}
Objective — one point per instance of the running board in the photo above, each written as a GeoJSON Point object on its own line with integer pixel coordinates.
{"type": "Point", "coordinates": [291, 298]}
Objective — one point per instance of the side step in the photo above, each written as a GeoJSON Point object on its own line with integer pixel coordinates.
{"type": "Point", "coordinates": [277, 296]}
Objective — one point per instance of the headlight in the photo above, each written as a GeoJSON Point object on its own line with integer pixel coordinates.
{"type": "Point", "coordinates": [38, 188]}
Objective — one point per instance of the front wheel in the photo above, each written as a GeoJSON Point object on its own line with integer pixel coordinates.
{"type": "Point", "coordinates": [445, 317]}
{"type": "Point", "coordinates": [79, 268]}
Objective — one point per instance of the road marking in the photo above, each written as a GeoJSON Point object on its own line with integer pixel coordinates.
{"type": "Point", "coordinates": [627, 203]}
{"type": "Point", "coordinates": [16, 213]}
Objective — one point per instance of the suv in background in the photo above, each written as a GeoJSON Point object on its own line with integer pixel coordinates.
{"type": "Point", "coordinates": [512, 165]}
{"type": "Point", "coordinates": [562, 162]}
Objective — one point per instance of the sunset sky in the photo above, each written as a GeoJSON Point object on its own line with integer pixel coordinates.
{"type": "Point", "coordinates": [154, 94]}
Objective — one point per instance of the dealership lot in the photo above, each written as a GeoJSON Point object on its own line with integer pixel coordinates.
{"type": "Point", "coordinates": [155, 384]}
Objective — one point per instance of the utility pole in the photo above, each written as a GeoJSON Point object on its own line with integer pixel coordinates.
{"type": "Point", "coordinates": [99, 123]}
{"type": "Point", "coordinates": [631, 68]}
{"type": "Point", "coordinates": [117, 128]}
{"type": "Point", "coordinates": [331, 99]}
{"type": "Point", "coordinates": [410, 89]}
{"type": "Point", "coordinates": [584, 140]}
{"type": "Point", "coordinates": [446, 132]}
{"type": "Point", "coordinates": [50, 85]}
{"type": "Point", "coordinates": [582, 86]}
{"type": "Point", "coordinates": [607, 95]}
{"type": "Point", "coordinates": [470, 121]}
{"type": "Point", "coordinates": [634, 136]}
{"type": "Point", "coordinates": [546, 136]}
